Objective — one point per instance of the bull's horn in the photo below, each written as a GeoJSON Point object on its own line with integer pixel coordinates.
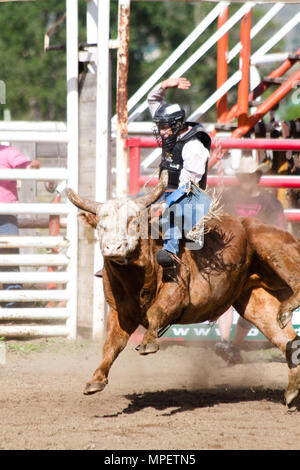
{"type": "Point", "coordinates": [81, 202]}
{"type": "Point", "coordinates": [156, 192]}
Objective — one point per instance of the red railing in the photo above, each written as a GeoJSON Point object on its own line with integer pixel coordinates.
{"type": "Point", "coordinates": [136, 180]}
{"type": "Point", "coordinates": [249, 144]}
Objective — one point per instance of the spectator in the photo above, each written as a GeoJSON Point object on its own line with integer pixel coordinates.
{"type": "Point", "coordinates": [10, 157]}
{"type": "Point", "coordinates": [248, 199]}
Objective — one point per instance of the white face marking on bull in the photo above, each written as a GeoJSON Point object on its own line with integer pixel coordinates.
{"type": "Point", "coordinates": [118, 227]}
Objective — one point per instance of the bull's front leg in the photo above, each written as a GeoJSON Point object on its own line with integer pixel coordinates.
{"type": "Point", "coordinates": [116, 339]}
{"type": "Point", "coordinates": [172, 298]}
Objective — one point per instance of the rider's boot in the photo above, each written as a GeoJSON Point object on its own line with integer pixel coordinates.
{"type": "Point", "coordinates": [228, 352]}
{"type": "Point", "coordinates": [165, 259]}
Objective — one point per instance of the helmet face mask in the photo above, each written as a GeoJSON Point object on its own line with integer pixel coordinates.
{"type": "Point", "coordinates": [168, 117]}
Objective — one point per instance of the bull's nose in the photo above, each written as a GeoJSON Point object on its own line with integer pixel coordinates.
{"type": "Point", "coordinates": [114, 248]}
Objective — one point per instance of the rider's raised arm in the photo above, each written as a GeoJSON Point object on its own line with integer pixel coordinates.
{"type": "Point", "coordinates": [156, 98]}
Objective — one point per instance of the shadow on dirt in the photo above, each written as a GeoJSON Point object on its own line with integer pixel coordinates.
{"type": "Point", "coordinates": [177, 401]}
{"type": "Point", "coordinates": [280, 360]}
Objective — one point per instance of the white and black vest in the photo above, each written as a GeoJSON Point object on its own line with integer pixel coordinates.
{"type": "Point", "coordinates": [172, 158]}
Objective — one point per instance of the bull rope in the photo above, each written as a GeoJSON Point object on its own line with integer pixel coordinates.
{"type": "Point", "coordinates": [155, 173]}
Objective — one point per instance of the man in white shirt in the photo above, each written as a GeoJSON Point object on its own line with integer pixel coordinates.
{"type": "Point", "coordinates": [185, 152]}
{"type": "Point", "coordinates": [172, 128]}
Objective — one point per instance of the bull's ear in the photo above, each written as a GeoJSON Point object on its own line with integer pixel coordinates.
{"type": "Point", "coordinates": [81, 202]}
{"type": "Point", "coordinates": [155, 193]}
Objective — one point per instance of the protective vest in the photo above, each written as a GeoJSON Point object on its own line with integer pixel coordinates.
{"type": "Point", "coordinates": [172, 158]}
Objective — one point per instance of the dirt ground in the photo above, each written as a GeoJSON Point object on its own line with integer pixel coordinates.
{"type": "Point", "coordinates": [180, 398]}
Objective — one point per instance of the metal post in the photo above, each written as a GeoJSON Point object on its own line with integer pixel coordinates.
{"type": "Point", "coordinates": [53, 231]}
{"type": "Point", "coordinates": [278, 72]}
{"type": "Point", "coordinates": [261, 87]}
{"type": "Point", "coordinates": [260, 144]}
{"type": "Point", "coordinates": [243, 89]}
{"type": "Point", "coordinates": [284, 181]}
{"type": "Point", "coordinates": [102, 151]}
{"type": "Point", "coordinates": [229, 143]}
{"type": "Point", "coordinates": [236, 77]}
{"type": "Point", "coordinates": [176, 54]}
{"type": "Point", "coordinates": [202, 50]}
{"type": "Point", "coordinates": [268, 104]}
{"type": "Point", "coordinates": [122, 114]}
{"type": "Point", "coordinates": [102, 112]}
{"type": "Point", "coordinates": [72, 128]}
{"type": "Point", "coordinates": [91, 22]}
{"type": "Point", "coordinates": [134, 166]}
{"type": "Point", "coordinates": [222, 68]}
{"type": "Point", "coordinates": [264, 20]}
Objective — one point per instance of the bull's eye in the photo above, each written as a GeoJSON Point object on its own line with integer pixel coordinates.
{"type": "Point", "coordinates": [101, 226]}
{"type": "Point", "coordinates": [103, 223]}
{"type": "Point", "coordinates": [134, 227]}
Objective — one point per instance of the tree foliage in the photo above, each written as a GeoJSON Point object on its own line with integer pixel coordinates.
{"type": "Point", "coordinates": [36, 81]}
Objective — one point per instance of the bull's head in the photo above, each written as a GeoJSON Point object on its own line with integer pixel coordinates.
{"type": "Point", "coordinates": [117, 219]}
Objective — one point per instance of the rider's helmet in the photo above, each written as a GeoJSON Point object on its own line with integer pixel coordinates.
{"type": "Point", "coordinates": [172, 115]}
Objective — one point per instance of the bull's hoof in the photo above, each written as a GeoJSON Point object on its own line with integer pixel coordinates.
{"type": "Point", "coordinates": [290, 399]}
{"type": "Point", "coordinates": [292, 409]}
{"type": "Point", "coordinates": [93, 387]}
{"type": "Point", "coordinates": [149, 348]}
{"type": "Point", "coordinates": [283, 318]}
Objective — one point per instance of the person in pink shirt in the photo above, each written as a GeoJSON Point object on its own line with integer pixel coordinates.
{"type": "Point", "coordinates": [11, 158]}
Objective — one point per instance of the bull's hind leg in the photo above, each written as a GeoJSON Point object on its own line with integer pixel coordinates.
{"type": "Point", "coordinates": [285, 312]}
{"type": "Point", "coordinates": [280, 251]}
{"type": "Point", "coordinates": [261, 308]}
{"type": "Point", "coordinates": [288, 268]}
{"type": "Point", "coordinates": [116, 339]}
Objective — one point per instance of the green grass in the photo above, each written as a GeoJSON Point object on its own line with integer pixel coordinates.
{"type": "Point", "coordinates": [51, 345]}
{"type": "Point", "coordinates": [27, 348]}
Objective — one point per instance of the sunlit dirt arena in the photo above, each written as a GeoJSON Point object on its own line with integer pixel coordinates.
{"type": "Point", "coordinates": [180, 398]}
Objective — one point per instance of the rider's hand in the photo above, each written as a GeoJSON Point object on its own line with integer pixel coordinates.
{"type": "Point", "coordinates": [180, 83]}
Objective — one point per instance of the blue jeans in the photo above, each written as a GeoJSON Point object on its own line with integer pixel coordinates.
{"type": "Point", "coordinates": [9, 226]}
{"type": "Point", "coordinates": [185, 208]}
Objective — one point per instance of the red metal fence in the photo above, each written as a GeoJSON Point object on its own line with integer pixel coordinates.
{"type": "Point", "coordinates": [136, 180]}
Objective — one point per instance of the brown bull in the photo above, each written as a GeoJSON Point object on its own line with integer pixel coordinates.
{"type": "Point", "coordinates": [243, 262]}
